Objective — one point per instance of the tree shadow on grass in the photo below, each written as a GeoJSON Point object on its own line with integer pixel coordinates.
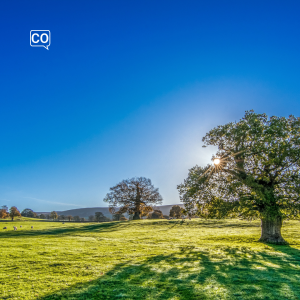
{"type": "Point", "coordinates": [201, 223]}
{"type": "Point", "coordinates": [113, 226]}
{"type": "Point", "coordinates": [225, 273]}
{"type": "Point", "coordinates": [226, 224]}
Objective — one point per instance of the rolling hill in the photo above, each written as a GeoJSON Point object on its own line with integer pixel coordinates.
{"type": "Point", "coordinates": [86, 212]}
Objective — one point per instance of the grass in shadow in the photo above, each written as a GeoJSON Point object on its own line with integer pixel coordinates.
{"type": "Point", "coordinates": [56, 229]}
{"type": "Point", "coordinates": [224, 273]}
{"type": "Point", "coordinates": [148, 259]}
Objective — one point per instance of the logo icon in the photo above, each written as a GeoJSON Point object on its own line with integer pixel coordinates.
{"type": "Point", "coordinates": [40, 38]}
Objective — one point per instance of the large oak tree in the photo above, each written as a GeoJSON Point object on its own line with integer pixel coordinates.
{"type": "Point", "coordinates": [135, 196]}
{"type": "Point", "coordinates": [256, 173]}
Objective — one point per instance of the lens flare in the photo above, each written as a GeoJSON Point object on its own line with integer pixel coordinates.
{"type": "Point", "coordinates": [217, 161]}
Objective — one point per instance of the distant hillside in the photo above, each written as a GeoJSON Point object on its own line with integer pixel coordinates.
{"type": "Point", "coordinates": [82, 212]}
{"type": "Point", "coordinates": [86, 212]}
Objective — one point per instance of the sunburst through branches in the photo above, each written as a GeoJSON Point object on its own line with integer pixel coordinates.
{"type": "Point", "coordinates": [220, 162]}
{"type": "Point", "coordinates": [216, 161]}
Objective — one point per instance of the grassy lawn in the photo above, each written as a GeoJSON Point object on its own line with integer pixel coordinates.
{"type": "Point", "coordinates": [147, 260]}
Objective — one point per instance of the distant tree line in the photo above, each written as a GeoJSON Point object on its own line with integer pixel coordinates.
{"type": "Point", "coordinates": [175, 212]}
{"type": "Point", "coordinates": [135, 196]}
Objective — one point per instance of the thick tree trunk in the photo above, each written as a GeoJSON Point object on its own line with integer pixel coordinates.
{"type": "Point", "coordinates": [271, 230]}
{"type": "Point", "coordinates": [136, 216]}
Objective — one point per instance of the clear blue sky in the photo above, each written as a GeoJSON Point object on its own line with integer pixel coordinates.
{"type": "Point", "coordinates": [128, 88]}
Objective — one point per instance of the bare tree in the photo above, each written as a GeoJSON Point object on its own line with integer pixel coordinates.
{"type": "Point", "coordinates": [135, 196]}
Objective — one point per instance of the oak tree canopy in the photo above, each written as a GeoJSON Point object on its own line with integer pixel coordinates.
{"type": "Point", "coordinates": [257, 174]}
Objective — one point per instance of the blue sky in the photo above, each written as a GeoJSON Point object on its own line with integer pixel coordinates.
{"type": "Point", "coordinates": [128, 88]}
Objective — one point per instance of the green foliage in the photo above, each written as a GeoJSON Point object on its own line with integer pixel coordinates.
{"type": "Point", "coordinates": [117, 216]}
{"type": "Point", "coordinates": [176, 211]}
{"type": "Point", "coordinates": [149, 259]}
{"type": "Point", "coordinates": [91, 218]}
{"type": "Point", "coordinates": [29, 213]}
{"type": "Point", "coordinates": [53, 215]}
{"type": "Point", "coordinates": [157, 214]}
{"type": "Point", "coordinates": [259, 171]}
{"type": "Point", "coordinates": [216, 208]}
{"type": "Point", "coordinates": [99, 217]}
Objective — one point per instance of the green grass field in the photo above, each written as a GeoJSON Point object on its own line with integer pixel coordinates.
{"type": "Point", "coordinates": [147, 260]}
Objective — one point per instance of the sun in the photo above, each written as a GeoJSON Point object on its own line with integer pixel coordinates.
{"type": "Point", "coordinates": [217, 161]}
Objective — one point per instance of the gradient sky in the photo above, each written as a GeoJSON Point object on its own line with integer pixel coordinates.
{"type": "Point", "coordinates": [129, 88]}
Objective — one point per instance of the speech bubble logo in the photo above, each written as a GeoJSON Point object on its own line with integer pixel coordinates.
{"type": "Point", "coordinates": [40, 38]}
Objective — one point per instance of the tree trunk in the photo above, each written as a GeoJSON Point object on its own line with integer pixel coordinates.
{"type": "Point", "coordinates": [136, 216]}
{"type": "Point", "coordinates": [271, 230]}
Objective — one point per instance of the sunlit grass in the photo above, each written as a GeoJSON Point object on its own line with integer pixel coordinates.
{"type": "Point", "coordinates": [147, 260]}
